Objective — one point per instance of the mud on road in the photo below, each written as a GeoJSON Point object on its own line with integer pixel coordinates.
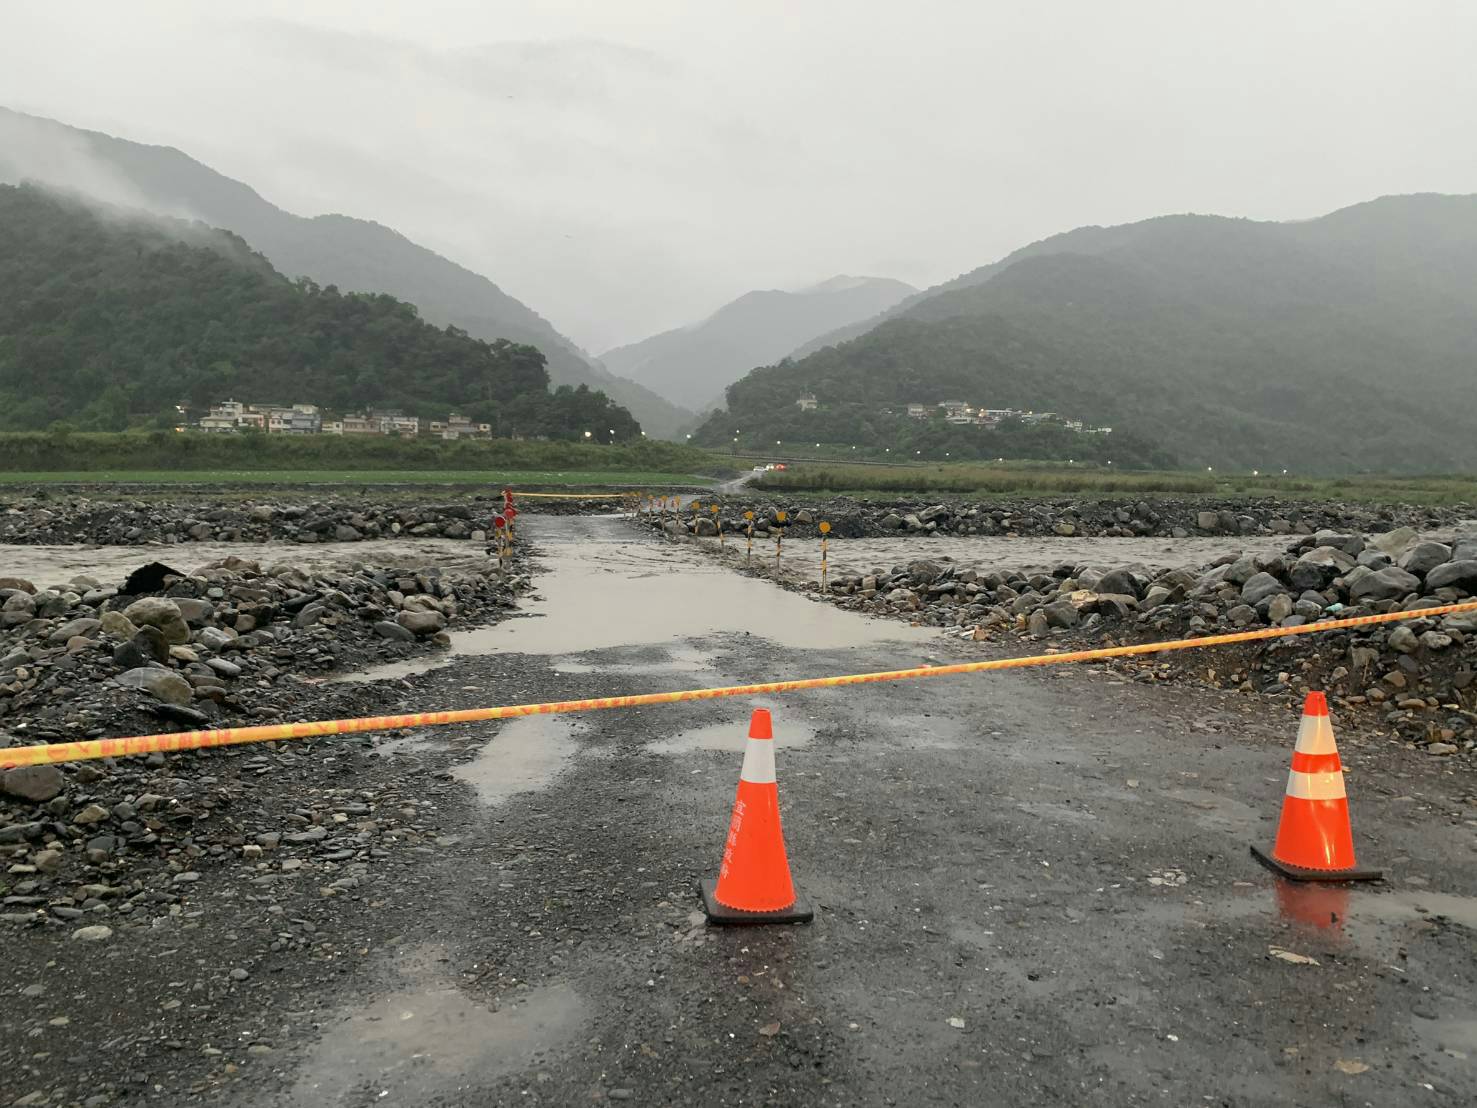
{"type": "Point", "coordinates": [1030, 889]}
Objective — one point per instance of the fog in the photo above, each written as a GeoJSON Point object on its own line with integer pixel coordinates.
{"type": "Point", "coordinates": [624, 168]}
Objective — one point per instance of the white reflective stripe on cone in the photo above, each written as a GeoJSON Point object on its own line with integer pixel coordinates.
{"type": "Point", "coordinates": [1315, 736]}
{"type": "Point", "coordinates": [1328, 785]}
{"type": "Point", "coordinates": [759, 762]}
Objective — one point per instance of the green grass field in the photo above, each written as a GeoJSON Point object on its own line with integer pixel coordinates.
{"type": "Point", "coordinates": [521, 479]}
{"type": "Point", "coordinates": [1035, 479]}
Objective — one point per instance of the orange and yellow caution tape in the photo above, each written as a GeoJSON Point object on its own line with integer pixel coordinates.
{"type": "Point", "coordinates": [232, 736]}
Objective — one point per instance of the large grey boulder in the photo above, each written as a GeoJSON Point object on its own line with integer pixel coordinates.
{"type": "Point", "coordinates": [37, 784]}
{"type": "Point", "coordinates": [421, 623]}
{"type": "Point", "coordinates": [1259, 587]}
{"type": "Point", "coordinates": [1454, 575]}
{"type": "Point", "coordinates": [1120, 581]}
{"type": "Point", "coordinates": [1318, 567]}
{"type": "Point", "coordinates": [1396, 542]}
{"type": "Point", "coordinates": [1423, 557]}
{"type": "Point", "coordinates": [1384, 584]}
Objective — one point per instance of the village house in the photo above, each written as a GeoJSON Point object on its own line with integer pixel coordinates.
{"type": "Point", "coordinates": [806, 403]}
{"type": "Point", "coordinates": [457, 426]}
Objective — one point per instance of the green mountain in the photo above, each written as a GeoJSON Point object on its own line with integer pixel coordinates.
{"type": "Point", "coordinates": [693, 365]}
{"type": "Point", "coordinates": [1343, 343]}
{"type": "Point", "coordinates": [109, 317]}
{"type": "Point", "coordinates": [352, 254]}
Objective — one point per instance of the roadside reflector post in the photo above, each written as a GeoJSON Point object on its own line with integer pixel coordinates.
{"type": "Point", "coordinates": [825, 529]}
{"type": "Point", "coordinates": [718, 522]}
{"type": "Point", "coordinates": [749, 551]}
{"type": "Point", "coordinates": [779, 538]}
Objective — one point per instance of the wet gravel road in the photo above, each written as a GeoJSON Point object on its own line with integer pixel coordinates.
{"type": "Point", "coordinates": [1030, 889]}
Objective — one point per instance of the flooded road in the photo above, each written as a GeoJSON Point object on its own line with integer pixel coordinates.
{"type": "Point", "coordinates": [1028, 886]}
{"type": "Point", "coordinates": [604, 585]}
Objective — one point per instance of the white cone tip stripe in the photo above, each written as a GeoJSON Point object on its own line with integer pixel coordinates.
{"type": "Point", "coordinates": [1328, 785]}
{"type": "Point", "coordinates": [759, 762]}
{"type": "Point", "coordinates": [1315, 736]}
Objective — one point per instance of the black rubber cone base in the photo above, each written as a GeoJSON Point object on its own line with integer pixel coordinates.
{"type": "Point", "coordinates": [1328, 876]}
{"type": "Point", "coordinates": [799, 912]}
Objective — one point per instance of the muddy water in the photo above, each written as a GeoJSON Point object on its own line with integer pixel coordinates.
{"type": "Point", "coordinates": [56, 565]}
{"type": "Point", "coordinates": [606, 586]}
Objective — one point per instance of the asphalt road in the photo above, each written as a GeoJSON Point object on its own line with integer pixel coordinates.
{"type": "Point", "coordinates": [1029, 889]}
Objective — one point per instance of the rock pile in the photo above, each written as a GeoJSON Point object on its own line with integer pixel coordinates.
{"type": "Point", "coordinates": [211, 643]}
{"type": "Point", "coordinates": [129, 523]}
{"type": "Point", "coordinates": [1420, 672]}
{"type": "Point", "coordinates": [1164, 517]}
{"type": "Point", "coordinates": [230, 643]}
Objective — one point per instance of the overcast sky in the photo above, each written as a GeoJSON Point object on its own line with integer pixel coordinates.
{"type": "Point", "coordinates": [624, 166]}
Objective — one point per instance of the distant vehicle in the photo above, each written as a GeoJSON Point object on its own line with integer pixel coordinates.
{"type": "Point", "coordinates": [759, 469]}
{"type": "Point", "coordinates": [781, 466]}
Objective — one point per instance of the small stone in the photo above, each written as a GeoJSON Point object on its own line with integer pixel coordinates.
{"type": "Point", "coordinates": [95, 934]}
{"type": "Point", "coordinates": [239, 975]}
{"type": "Point", "coordinates": [93, 813]}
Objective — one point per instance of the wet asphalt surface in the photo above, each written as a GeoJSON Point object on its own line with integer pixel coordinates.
{"type": "Point", "coordinates": [1029, 889]}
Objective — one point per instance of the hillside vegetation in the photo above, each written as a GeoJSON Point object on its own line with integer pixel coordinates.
{"type": "Point", "coordinates": [1339, 344]}
{"type": "Point", "coordinates": [355, 255]}
{"type": "Point", "coordinates": [109, 318]}
{"type": "Point", "coordinates": [61, 451]}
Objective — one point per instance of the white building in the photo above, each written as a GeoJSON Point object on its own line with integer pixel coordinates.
{"type": "Point", "coordinates": [806, 403]}
{"type": "Point", "coordinates": [457, 426]}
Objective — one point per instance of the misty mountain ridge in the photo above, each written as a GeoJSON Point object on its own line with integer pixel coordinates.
{"type": "Point", "coordinates": [111, 317]}
{"type": "Point", "coordinates": [1342, 343]}
{"type": "Point", "coordinates": [350, 253]}
{"type": "Point", "coordinates": [692, 365]}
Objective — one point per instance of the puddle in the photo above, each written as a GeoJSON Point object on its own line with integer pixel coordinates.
{"type": "Point", "coordinates": [1454, 1037]}
{"type": "Point", "coordinates": [525, 755]}
{"type": "Point", "coordinates": [731, 735]}
{"type": "Point", "coordinates": [431, 1041]}
{"type": "Point", "coordinates": [1405, 907]}
{"type": "Point", "coordinates": [414, 743]}
{"type": "Point", "coordinates": [1374, 922]}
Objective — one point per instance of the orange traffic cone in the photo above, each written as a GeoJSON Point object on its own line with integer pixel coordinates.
{"type": "Point", "coordinates": [754, 883]}
{"type": "Point", "coordinates": [1314, 840]}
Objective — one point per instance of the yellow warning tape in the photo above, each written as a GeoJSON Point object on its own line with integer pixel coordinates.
{"type": "Point", "coordinates": [231, 736]}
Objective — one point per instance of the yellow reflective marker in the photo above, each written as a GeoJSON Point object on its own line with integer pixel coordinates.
{"type": "Point", "coordinates": [781, 516]}
{"type": "Point", "coordinates": [825, 527]}
{"type": "Point", "coordinates": [748, 515]}
{"type": "Point", "coordinates": [715, 509]}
